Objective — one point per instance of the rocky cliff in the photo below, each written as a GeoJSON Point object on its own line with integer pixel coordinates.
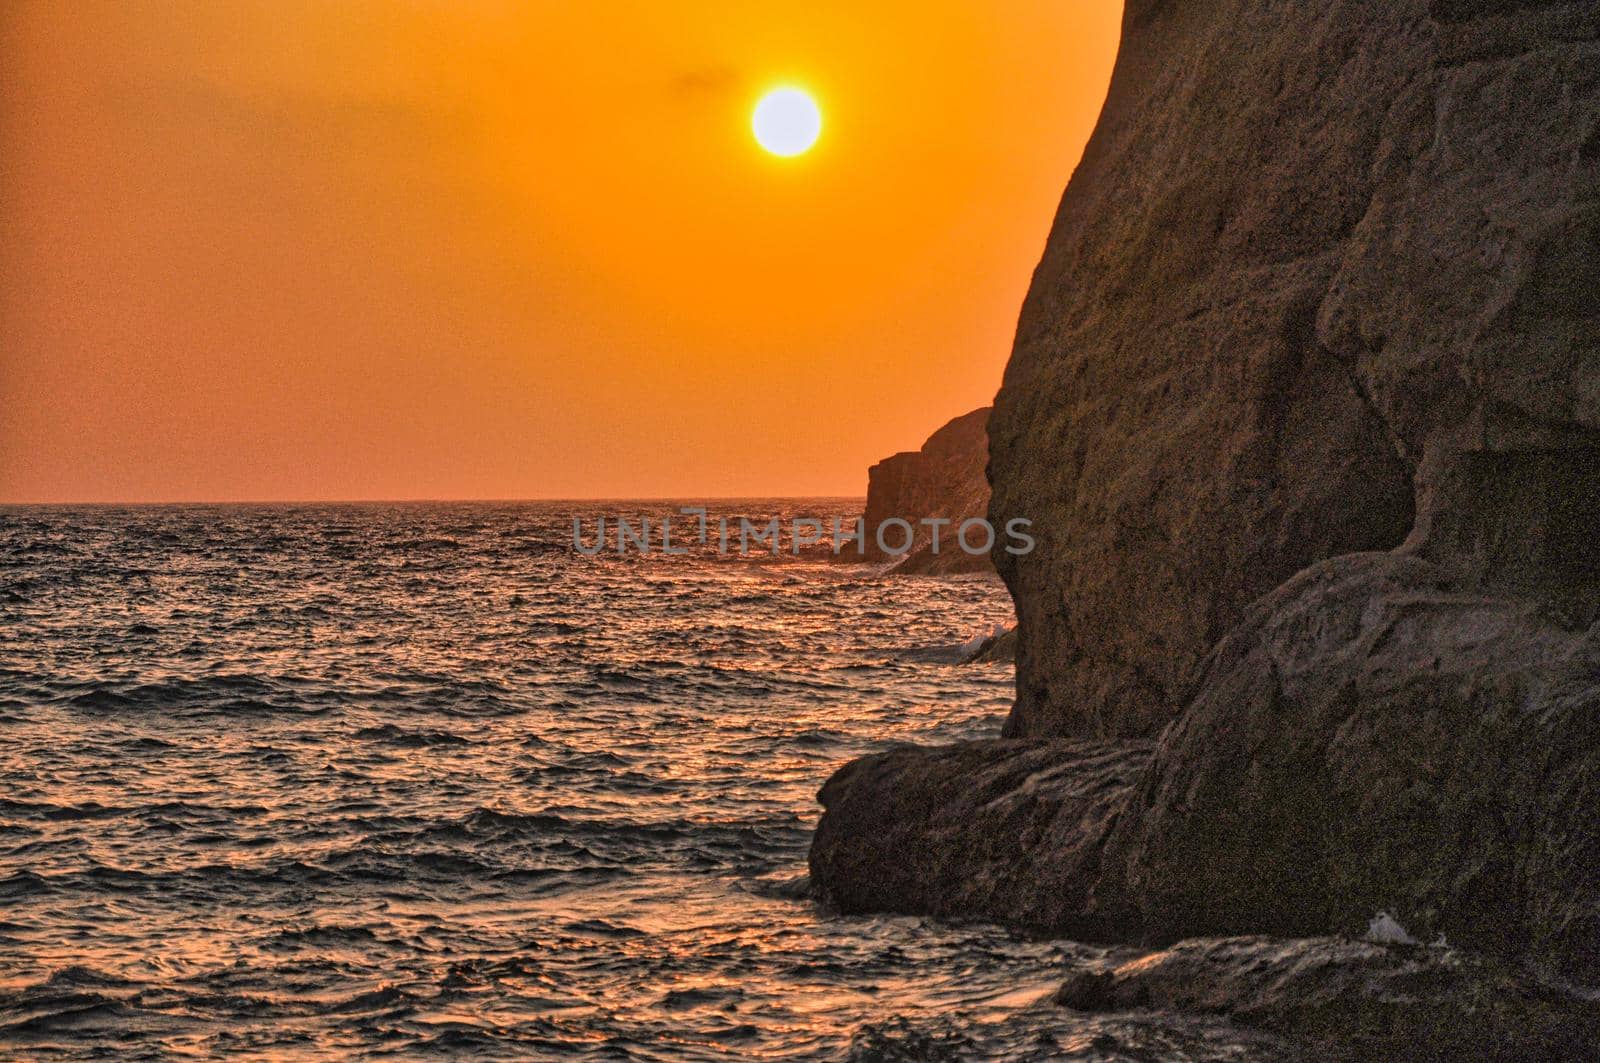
{"type": "Point", "coordinates": [945, 479]}
{"type": "Point", "coordinates": [1324, 282]}
{"type": "Point", "coordinates": [1305, 409]}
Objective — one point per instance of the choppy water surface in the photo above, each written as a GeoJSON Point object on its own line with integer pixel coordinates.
{"type": "Point", "coordinates": [314, 780]}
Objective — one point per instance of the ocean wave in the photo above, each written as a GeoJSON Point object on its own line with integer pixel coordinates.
{"type": "Point", "coordinates": [284, 781]}
{"type": "Point", "coordinates": [410, 739]}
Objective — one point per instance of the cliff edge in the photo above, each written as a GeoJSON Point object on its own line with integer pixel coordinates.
{"type": "Point", "coordinates": [946, 479]}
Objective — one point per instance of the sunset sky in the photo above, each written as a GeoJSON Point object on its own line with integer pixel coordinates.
{"type": "Point", "coordinates": [293, 249]}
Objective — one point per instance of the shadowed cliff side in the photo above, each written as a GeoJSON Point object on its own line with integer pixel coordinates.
{"type": "Point", "coordinates": [1305, 410]}
{"type": "Point", "coordinates": [1323, 281]}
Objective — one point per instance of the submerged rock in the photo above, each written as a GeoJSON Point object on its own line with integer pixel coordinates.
{"type": "Point", "coordinates": [1352, 1000]}
{"type": "Point", "coordinates": [1147, 1037]}
{"type": "Point", "coordinates": [1044, 1033]}
{"type": "Point", "coordinates": [1001, 648]}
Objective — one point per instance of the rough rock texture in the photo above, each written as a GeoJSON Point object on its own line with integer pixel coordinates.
{"type": "Point", "coordinates": [1305, 409]}
{"type": "Point", "coordinates": [1374, 737]}
{"type": "Point", "coordinates": [1007, 831]}
{"type": "Point", "coordinates": [947, 479]}
{"type": "Point", "coordinates": [1325, 280]}
{"type": "Point", "coordinates": [1352, 999]}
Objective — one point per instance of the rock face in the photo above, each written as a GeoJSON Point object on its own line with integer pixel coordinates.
{"type": "Point", "coordinates": [1305, 411]}
{"type": "Point", "coordinates": [1347, 999]}
{"type": "Point", "coordinates": [945, 479]}
{"type": "Point", "coordinates": [1005, 831]}
{"type": "Point", "coordinates": [1376, 737]}
{"type": "Point", "coordinates": [1322, 284]}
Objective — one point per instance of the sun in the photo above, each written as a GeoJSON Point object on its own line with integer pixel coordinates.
{"type": "Point", "coordinates": [786, 122]}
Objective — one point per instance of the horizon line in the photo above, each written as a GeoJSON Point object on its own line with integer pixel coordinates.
{"type": "Point", "coordinates": [421, 500]}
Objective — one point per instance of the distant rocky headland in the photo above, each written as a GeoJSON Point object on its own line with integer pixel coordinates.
{"type": "Point", "coordinates": [947, 481]}
{"type": "Point", "coordinates": [1304, 406]}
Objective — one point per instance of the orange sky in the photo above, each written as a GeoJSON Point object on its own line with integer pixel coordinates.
{"type": "Point", "coordinates": [291, 249]}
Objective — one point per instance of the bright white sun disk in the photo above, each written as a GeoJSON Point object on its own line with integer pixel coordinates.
{"type": "Point", "coordinates": [787, 122]}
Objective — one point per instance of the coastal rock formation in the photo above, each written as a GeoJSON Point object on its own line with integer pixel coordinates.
{"type": "Point", "coordinates": [1271, 1000]}
{"type": "Point", "coordinates": [1374, 736]}
{"type": "Point", "coordinates": [999, 649]}
{"type": "Point", "coordinates": [1005, 831]}
{"type": "Point", "coordinates": [945, 479]}
{"type": "Point", "coordinates": [1343, 999]}
{"type": "Point", "coordinates": [1305, 411]}
{"type": "Point", "coordinates": [1323, 282]}
{"type": "Point", "coordinates": [1377, 737]}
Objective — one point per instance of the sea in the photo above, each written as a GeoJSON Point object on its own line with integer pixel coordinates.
{"type": "Point", "coordinates": [422, 780]}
